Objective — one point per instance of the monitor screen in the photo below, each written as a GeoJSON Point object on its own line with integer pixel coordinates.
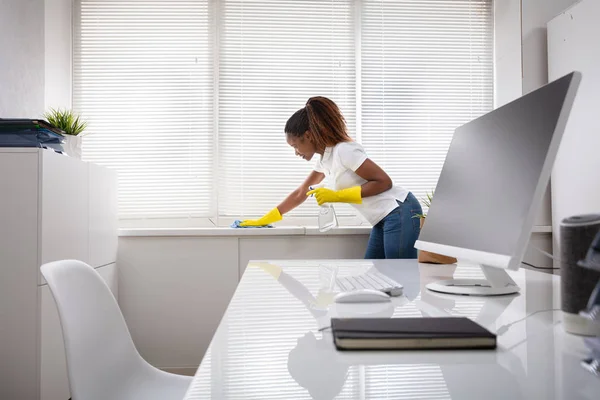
{"type": "Point", "coordinates": [496, 172]}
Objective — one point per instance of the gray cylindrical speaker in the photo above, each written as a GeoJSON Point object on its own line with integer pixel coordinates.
{"type": "Point", "coordinates": [576, 236]}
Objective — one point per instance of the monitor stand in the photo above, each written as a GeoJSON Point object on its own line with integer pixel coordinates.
{"type": "Point", "coordinates": [497, 283]}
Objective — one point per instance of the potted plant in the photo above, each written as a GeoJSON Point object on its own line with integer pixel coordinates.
{"type": "Point", "coordinates": [426, 256]}
{"type": "Point", "coordinates": [72, 126]}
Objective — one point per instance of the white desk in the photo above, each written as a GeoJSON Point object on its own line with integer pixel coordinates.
{"type": "Point", "coordinates": [268, 345]}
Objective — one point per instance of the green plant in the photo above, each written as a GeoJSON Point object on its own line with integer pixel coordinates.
{"type": "Point", "coordinates": [426, 202]}
{"type": "Point", "coordinates": [66, 120]}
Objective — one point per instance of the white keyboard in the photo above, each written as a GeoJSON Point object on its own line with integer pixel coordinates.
{"type": "Point", "coordinates": [370, 280]}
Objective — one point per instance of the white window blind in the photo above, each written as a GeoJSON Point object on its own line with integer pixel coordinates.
{"type": "Point", "coordinates": [143, 77]}
{"type": "Point", "coordinates": [427, 68]}
{"type": "Point", "coordinates": [188, 99]}
{"type": "Point", "coordinates": [274, 55]}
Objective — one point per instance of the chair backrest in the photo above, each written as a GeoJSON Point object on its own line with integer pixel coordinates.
{"type": "Point", "coordinates": [99, 349]}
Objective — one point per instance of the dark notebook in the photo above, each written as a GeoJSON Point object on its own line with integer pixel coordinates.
{"type": "Point", "coordinates": [410, 334]}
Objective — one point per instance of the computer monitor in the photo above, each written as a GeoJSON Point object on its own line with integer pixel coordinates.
{"type": "Point", "coordinates": [491, 186]}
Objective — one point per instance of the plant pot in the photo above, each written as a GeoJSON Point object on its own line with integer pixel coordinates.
{"type": "Point", "coordinates": [433, 258]}
{"type": "Point", "coordinates": [72, 146]}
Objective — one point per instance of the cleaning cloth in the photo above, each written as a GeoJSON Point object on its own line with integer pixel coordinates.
{"type": "Point", "coordinates": [237, 222]}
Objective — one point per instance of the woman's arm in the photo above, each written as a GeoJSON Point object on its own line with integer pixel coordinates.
{"type": "Point", "coordinates": [298, 196]}
{"type": "Point", "coordinates": [294, 199]}
{"type": "Point", "coordinates": [377, 180]}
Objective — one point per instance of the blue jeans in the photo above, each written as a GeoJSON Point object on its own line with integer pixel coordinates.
{"type": "Point", "coordinates": [396, 234]}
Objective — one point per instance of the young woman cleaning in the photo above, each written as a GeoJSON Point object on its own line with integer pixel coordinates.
{"type": "Point", "coordinates": [320, 128]}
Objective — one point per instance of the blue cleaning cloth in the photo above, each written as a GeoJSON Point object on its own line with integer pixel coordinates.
{"type": "Point", "coordinates": [237, 222]}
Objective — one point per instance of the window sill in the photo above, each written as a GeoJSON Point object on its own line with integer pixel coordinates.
{"type": "Point", "coordinates": [278, 231]}
{"type": "Point", "coordinates": [229, 232]}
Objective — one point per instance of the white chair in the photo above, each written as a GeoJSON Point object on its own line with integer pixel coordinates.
{"type": "Point", "coordinates": [102, 361]}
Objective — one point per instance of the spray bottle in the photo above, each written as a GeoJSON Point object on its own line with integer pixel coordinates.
{"type": "Point", "coordinates": [327, 218]}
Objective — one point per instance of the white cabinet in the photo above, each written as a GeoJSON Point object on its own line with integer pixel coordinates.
{"type": "Point", "coordinates": [64, 208]}
{"type": "Point", "coordinates": [52, 207]}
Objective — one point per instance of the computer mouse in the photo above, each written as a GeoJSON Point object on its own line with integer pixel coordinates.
{"type": "Point", "coordinates": [362, 296]}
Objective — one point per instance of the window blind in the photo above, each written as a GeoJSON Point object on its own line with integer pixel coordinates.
{"type": "Point", "coordinates": [143, 78]}
{"type": "Point", "coordinates": [426, 68]}
{"type": "Point", "coordinates": [188, 99]}
{"type": "Point", "coordinates": [274, 55]}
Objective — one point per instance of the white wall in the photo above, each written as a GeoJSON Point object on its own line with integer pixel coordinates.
{"type": "Point", "coordinates": [35, 56]}
{"type": "Point", "coordinates": [535, 15]}
{"type": "Point", "coordinates": [21, 58]}
{"type": "Point", "coordinates": [58, 39]}
{"type": "Point", "coordinates": [507, 51]}
{"type": "Point", "coordinates": [520, 45]}
{"type": "Point", "coordinates": [573, 44]}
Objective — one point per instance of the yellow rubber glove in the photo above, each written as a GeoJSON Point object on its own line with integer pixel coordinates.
{"type": "Point", "coordinates": [272, 216]}
{"type": "Point", "coordinates": [324, 195]}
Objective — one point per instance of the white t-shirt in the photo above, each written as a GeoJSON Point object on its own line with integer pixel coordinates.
{"type": "Point", "coordinates": [339, 164]}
